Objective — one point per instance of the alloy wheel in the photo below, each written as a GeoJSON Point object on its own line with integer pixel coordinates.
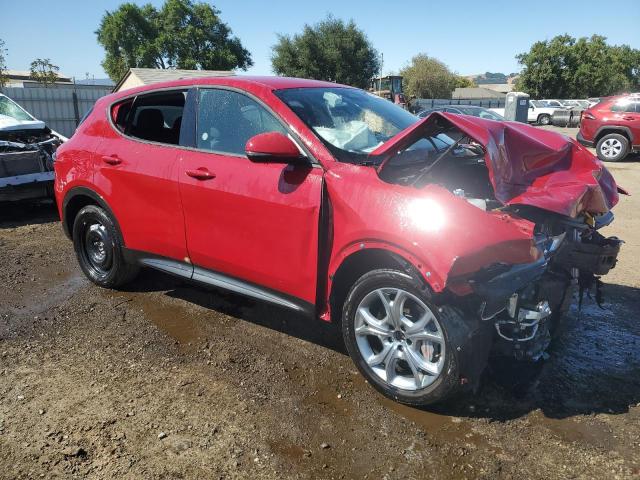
{"type": "Point", "coordinates": [399, 338]}
{"type": "Point", "coordinates": [611, 148]}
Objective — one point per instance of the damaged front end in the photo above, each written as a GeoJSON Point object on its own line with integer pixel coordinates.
{"type": "Point", "coordinates": [27, 147]}
{"type": "Point", "coordinates": [526, 303]}
{"type": "Point", "coordinates": [520, 174]}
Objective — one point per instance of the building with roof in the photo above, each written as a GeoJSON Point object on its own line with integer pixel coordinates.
{"type": "Point", "coordinates": [478, 93]}
{"type": "Point", "coordinates": [22, 79]}
{"type": "Point", "coordinates": [137, 77]}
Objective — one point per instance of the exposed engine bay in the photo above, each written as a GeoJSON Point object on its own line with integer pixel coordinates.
{"type": "Point", "coordinates": [27, 147]}
{"type": "Point", "coordinates": [524, 303]}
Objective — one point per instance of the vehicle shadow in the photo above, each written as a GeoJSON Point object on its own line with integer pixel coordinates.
{"type": "Point", "coordinates": [17, 214]}
{"type": "Point", "coordinates": [264, 314]}
{"type": "Point", "coordinates": [594, 367]}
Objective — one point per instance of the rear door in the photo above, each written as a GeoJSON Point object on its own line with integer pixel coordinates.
{"type": "Point", "coordinates": [627, 114]}
{"type": "Point", "coordinates": [252, 221]}
{"type": "Point", "coordinates": [137, 172]}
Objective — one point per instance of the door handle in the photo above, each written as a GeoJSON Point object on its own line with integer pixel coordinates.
{"type": "Point", "coordinates": [111, 160]}
{"type": "Point", "coordinates": [201, 174]}
{"type": "Point", "coordinates": [630, 118]}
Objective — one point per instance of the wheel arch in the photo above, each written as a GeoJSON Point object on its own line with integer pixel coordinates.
{"type": "Point", "coordinates": [359, 262]}
{"type": "Point", "coordinates": [608, 129]}
{"type": "Point", "coordinates": [75, 200]}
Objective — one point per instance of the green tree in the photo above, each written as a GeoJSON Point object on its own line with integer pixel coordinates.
{"type": "Point", "coordinates": [43, 71]}
{"type": "Point", "coordinates": [182, 34]}
{"type": "Point", "coordinates": [463, 82]}
{"type": "Point", "coordinates": [331, 50]}
{"type": "Point", "coordinates": [3, 65]}
{"type": "Point", "coordinates": [428, 77]}
{"type": "Point", "coordinates": [564, 67]}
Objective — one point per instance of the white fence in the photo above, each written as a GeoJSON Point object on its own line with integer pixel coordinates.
{"type": "Point", "coordinates": [60, 108]}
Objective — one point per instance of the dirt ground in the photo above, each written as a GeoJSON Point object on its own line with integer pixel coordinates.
{"type": "Point", "coordinates": [167, 380]}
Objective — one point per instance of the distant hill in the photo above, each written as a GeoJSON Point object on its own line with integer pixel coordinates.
{"type": "Point", "coordinates": [491, 77]}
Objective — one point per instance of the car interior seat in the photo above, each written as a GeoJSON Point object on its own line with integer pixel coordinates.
{"type": "Point", "coordinates": [150, 125]}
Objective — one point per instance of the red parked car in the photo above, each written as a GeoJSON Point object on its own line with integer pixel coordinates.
{"type": "Point", "coordinates": [432, 242]}
{"type": "Point", "coordinates": [612, 126]}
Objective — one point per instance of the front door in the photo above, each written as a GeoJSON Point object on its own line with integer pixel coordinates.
{"type": "Point", "coordinates": [256, 222]}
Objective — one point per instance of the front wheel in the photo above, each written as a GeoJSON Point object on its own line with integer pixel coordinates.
{"type": "Point", "coordinates": [399, 340]}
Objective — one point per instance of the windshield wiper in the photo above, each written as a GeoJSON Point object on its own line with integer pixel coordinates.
{"type": "Point", "coordinates": [425, 171]}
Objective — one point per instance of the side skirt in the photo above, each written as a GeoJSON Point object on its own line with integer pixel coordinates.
{"type": "Point", "coordinates": [210, 278]}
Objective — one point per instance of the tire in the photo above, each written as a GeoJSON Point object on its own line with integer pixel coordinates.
{"type": "Point", "coordinates": [612, 147]}
{"type": "Point", "coordinates": [98, 248]}
{"type": "Point", "coordinates": [544, 119]}
{"type": "Point", "coordinates": [401, 345]}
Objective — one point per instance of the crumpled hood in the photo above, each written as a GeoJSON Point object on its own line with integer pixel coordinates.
{"type": "Point", "coordinates": [527, 165]}
{"type": "Point", "coordinates": [8, 124]}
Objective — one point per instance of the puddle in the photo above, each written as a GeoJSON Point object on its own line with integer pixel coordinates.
{"type": "Point", "coordinates": [439, 426]}
{"type": "Point", "coordinates": [598, 355]}
{"type": "Point", "coordinates": [569, 430]}
{"type": "Point", "coordinates": [61, 289]}
{"type": "Point", "coordinates": [287, 450]}
{"type": "Point", "coordinates": [173, 320]}
{"type": "Point", "coordinates": [445, 428]}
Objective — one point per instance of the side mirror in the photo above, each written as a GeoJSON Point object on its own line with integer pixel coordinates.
{"type": "Point", "coordinates": [273, 147]}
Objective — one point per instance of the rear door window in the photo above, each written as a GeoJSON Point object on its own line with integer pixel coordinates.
{"type": "Point", "coordinates": [626, 106]}
{"type": "Point", "coordinates": [228, 119]}
{"type": "Point", "coordinates": [155, 117]}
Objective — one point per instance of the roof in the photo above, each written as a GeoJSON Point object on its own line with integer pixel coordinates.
{"type": "Point", "coordinates": [105, 82]}
{"type": "Point", "coordinates": [250, 83]}
{"type": "Point", "coordinates": [476, 92]}
{"type": "Point", "coordinates": [26, 75]}
{"type": "Point", "coordinates": [147, 76]}
{"type": "Point", "coordinates": [498, 87]}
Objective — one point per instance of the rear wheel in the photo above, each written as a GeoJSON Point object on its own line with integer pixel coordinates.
{"type": "Point", "coordinates": [399, 340]}
{"type": "Point", "coordinates": [544, 119]}
{"type": "Point", "coordinates": [99, 248]}
{"type": "Point", "coordinates": [612, 147]}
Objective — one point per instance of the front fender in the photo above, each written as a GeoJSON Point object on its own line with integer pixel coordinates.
{"type": "Point", "coordinates": [440, 234]}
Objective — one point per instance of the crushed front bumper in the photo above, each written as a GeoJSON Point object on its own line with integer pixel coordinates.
{"type": "Point", "coordinates": [497, 284]}
{"type": "Point", "coordinates": [25, 174]}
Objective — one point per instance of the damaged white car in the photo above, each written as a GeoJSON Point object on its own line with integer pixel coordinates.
{"type": "Point", "coordinates": [27, 146]}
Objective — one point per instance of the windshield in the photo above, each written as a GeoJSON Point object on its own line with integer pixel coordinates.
{"type": "Point", "coordinates": [351, 122]}
{"type": "Point", "coordinates": [11, 109]}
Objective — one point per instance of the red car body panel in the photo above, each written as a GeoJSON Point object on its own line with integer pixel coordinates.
{"type": "Point", "coordinates": [528, 165]}
{"type": "Point", "coordinates": [142, 190]}
{"type": "Point", "coordinates": [262, 222]}
{"type": "Point", "coordinates": [431, 227]}
{"type": "Point", "coordinates": [255, 221]}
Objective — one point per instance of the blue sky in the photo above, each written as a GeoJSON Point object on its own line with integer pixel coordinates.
{"type": "Point", "coordinates": [469, 36]}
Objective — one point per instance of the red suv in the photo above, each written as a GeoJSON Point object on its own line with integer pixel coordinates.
{"type": "Point", "coordinates": [613, 126]}
{"type": "Point", "coordinates": [432, 242]}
